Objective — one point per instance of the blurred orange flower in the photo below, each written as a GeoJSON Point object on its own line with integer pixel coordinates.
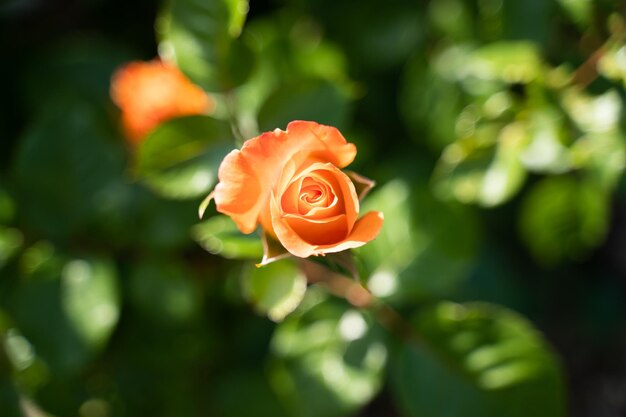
{"type": "Point", "coordinates": [149, 93]}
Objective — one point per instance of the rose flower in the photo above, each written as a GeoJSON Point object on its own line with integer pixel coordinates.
{"type": "Point", "coordinates": [149, 93]}
{"type": "Point", "coordinates": [291, 183]}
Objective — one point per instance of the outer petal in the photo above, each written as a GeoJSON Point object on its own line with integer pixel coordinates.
{"type": "Point", "coordinates": [238, 192]}
{"type": "Point", "coordinates": [247, 177]}
{"type": "Point", "coordinates": [365, 229]}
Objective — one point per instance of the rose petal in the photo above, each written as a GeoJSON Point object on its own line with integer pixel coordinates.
{"type": "Point", "coordinates": [365, 230]}
{"type": "Point", "coordinates": [319, 232]}
{"type": "Point", "coordinates": [248, 176]}
{"type": "Point", "coordinates": [237, 193]}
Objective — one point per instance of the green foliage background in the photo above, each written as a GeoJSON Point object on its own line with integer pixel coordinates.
{"type": "Point", "coordinates": [495, 132]}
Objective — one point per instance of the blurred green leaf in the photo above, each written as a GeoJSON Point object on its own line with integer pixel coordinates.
{"type": "Point", "coordinates": [180, 158]}
{"type": "Point", "coordinates": [7, 207]}
{"type": "Point", "coordinates": [9, 397]}
{"type": "Point", "coordinates": [546, 150]}
{"type": "Point", "coordinates": [430, 105]}
{"type": "Point", "coordinates": [219, 235]}
{"type": "Point", "coordinates": [451, 17]}
{"type": "Point", "coordinates": [198, 36]}
{"type": "Point", "coordinates": [485, 168]}
{"type": "Point", "coordinates": [593, 114]}
{"type": "Point", "coordinates": [603, 155]}
{"type": "Point", "coordinates": [275, 289]}
{"type": "Point", "coordinates": [477, 359]}
{"type": "Point", "coordinates": [164, 291]}
{"type": "Point", "coordinates": [329, 359]}
{"type": "Point", "coordinates": [310, 99]}
{"type": "Point", "coordinates": [76, 298]}
{"type": "Point", "coordinates": [376, 38]}
{"type": "Point", "coordinates": [512, 62]}
{"type": "Point", "coordinates": [529, 20]}
{"type": "Point", "coordinates": [254, 387]}
{"type": "Point", "coordinates": [424, 249]}
{"type": "Point", "coordinates": [564, 218]}
{"type": "Point", "coordinates": [90, 299]}
{"type": "Point", "coordinates": [580, 11]}
{"type": "Point", "coordinates": [612, 63]}
{"type": "Point", "coordinates": [238, 9]}
{"type": "Point", "coordinates": [10, 242]}
{"type": "Point", "coordinates": [65, 162]}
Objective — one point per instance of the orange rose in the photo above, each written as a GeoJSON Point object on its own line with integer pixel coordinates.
{"type": "Point", "coordinates": [291, 183]}
{"type": "Point", "coordinates": [149, 93]}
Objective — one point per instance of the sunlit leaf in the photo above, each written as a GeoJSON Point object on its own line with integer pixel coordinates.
{"type": "Point", "coordinates": [564, 218]}
{"type": "Point", "coordinates": [603, 154]}
{"type": "Point", "coordinates": [512, 62]}
{"type": "Point", "coordinates": [90, 299]}
{"type": "Point", "coordinates": [476, 359]}
{"type": "Point", "coordinates": [199, 37]}
{"type": "Point", "coordinates": [424, 249]}
{"type": "Point", "coordinates": [546, 150]}
{"type": "Point", "coordinates": [612, 64]}
{"type": "Point", "coordinates": [580, 11]}
{"type": "Point", "coordinates": [329, 359]}
{"type": "Point", "coordinates": [599, 114]}
{"type": "Point", "coordinates": [275, 289]}
{"type": "Point", "coordinates": [180, 158]}
{"type": "Point", "coordinates": [10, 242]}
{"type": "Point", "coordinates": [75, 297]}
{"type": "Point", "coordinates": [219, 235]}
{"type": "Point", "coordinates": [485, 168]}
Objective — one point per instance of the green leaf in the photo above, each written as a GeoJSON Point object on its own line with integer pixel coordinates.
{"type": "Point", "coordinates": [485, 168]}
{"type": "Point", "coordinates": [275, 289]}
{"type": "Point", "coordinates": [198, 36]}
{"type": "Point", "coordinates": [476, 360]}
{"type": "Point", "coordinates": [251, 385]}
{"type": "Point", "coordinates": [10, 242]}
{"type": "Point", "coordinates": [90, 299]}
{"type": "Point", "coordinates": [309, 99]}
{"type": "Point", "coordinates": [180, 158]}
{"type": "Point", "coordinates": [603, 155]}
{"type": "Point", "coordinates": [77, 298]}
{"type": "Point", "coordinates": [425, 248]}
{"type": "Point", "coordinates": [511, 62]}
{"type": "Point", "coordinates": [579, 11]}
{"type": "Point", "coordinates": [219, 235]}
{"type": "Point", "coordinates": [7, 207]}
{"type": "Point", "coordinates": [430, 103]}
{"type": "Point", "coordinates": [593, 114]}
{"type": "Point", "coordinates": [164, 291]}
{"type": "Point", "coordinates": [564, 218]}
{"type": "Point", "coordinates": [66, 164]}
{"type": "Point", "coordinates": [328, 359]}
{"type": "Point", "coordinates": [546, 150]}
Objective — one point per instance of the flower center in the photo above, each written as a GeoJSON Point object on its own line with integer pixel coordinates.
{"type": "Point", "coordinates": [314, 193]}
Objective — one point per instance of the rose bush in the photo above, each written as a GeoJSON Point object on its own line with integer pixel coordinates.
{"type": "Point", "coordinates": [149, 93]}
{"type": "Point", "coordinates": [291, 183]}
